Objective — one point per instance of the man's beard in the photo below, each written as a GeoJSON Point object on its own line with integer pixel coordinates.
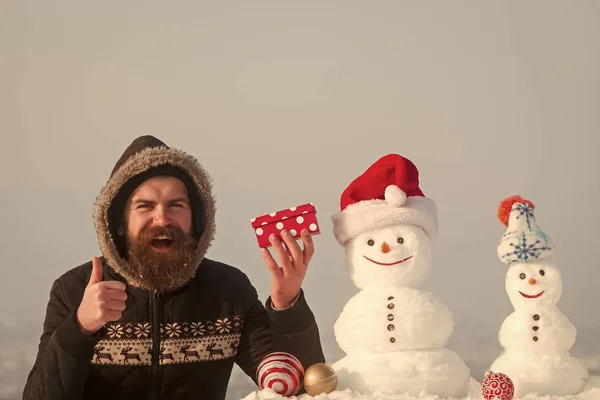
{"type": "Point", "coordinates": [162, 271]}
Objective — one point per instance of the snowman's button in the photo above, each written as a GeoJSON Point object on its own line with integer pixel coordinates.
{"type": "Point", "coordinates": [391, 298]}
{"type": "Point", "coordinates": [392, 340]}
{"type": "Point", "coordinates": [536, 317]}
{"type": "Point", "coordinates": [535, 328]}
{"type": "Point", "coordinates": [390, 327]}
{"type": "Point", "coordinates": [390, 317]}
{"type": "Point", "coordinates": [391, 305]}
{"type": "Point", "coordinates": [535, 338]}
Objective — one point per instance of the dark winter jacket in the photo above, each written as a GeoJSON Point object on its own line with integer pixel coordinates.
{"type": "Point", "coordinates": [176, 345]}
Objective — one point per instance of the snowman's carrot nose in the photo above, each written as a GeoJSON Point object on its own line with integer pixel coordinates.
{"type": "Point", "coordinates": [385, 248]}
{"type": "Point", "coordinates": [532, 281]}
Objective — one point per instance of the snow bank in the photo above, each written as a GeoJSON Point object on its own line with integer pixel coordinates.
{"type": "Point", "coordinates": [590, 392]}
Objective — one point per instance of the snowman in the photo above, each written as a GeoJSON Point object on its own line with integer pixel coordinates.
{"type": "Point", "coordinates": [537, 336]}
{"type": "Point", "coordinates": [394, 335]}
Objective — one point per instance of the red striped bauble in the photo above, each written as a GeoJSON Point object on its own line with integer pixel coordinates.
{"type": "Point", "coordinates": [497, 386]}
{"type": "Point", "coordinates": [280, 372]}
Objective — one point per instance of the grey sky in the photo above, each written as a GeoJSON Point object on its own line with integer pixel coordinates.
{"type": "Point", "coordinates": [286, 103]}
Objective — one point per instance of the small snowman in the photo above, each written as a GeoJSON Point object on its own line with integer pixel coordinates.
{"type": "Point", "coordinates": [537, 336]}
{"type": "Point", "coordinates": [394, 335]}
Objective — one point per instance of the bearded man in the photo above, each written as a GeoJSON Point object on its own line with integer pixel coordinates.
{"type": "Point", "coordinates": [153, 318]}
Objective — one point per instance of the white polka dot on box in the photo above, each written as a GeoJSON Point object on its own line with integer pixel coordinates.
{"type": "Point", "coordinates": [292, 219]}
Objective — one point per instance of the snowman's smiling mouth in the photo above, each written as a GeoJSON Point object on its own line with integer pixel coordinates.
{"type": "Point", "coordinates": [388, 264]}
{"type": "Point", "coordinates": [527, 296]}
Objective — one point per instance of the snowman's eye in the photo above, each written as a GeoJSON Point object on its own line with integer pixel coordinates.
{"type": "Point", "coordinates": [370, 242]}
{"type": "Point", "coordinates": [542, 272]}
{"type": "Point", "coordinates": [400, 240]}
{"type": "Point", "coordinates": [522, 276]}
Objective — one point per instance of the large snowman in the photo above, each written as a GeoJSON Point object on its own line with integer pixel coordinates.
{"type": "Point", "coordinates": [394, 335]}
{"type": "Point", "coordinates": [537, 336]}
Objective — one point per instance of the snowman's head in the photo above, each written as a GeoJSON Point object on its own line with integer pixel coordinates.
{"type": "Point", "coordinates": [395, 255]}
{"type": "Point", "coordinates": [533, 284]}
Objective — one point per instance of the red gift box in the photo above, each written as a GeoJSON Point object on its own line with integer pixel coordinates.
{"type": "Point", "coordinates": [291, 219]}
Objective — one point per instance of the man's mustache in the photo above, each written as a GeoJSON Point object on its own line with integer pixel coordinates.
{"type": "Point", "coordinates": [155, 232]}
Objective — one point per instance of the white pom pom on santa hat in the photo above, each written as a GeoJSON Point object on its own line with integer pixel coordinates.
{"type": "Point", "coordinates": [387, 193]}
{"type": "Point", "coordinates": [394, 196]}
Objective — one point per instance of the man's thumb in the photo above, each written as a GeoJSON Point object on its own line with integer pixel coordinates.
{"type": "Point", "coordinates": [96, 271]}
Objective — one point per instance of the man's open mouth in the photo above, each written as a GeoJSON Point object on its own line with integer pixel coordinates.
{"type": "Point", "coordinates": [388, 264]}
{"type": "Point", "coordinates": [161, 243]}
{"type": "Point", "coordinates": [535, 296]}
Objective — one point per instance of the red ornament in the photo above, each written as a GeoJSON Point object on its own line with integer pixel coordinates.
{"type": "Point", "coordinates": [280, 372]}
{"type": "Point", "coordinates": [497, 386]}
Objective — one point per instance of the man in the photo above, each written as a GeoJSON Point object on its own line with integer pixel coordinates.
{"type": "Point", "coordinates": [154, 318]}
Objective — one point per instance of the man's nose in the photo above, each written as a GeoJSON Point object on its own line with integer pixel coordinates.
{"type": "Point", "coordinates": [161, 217]}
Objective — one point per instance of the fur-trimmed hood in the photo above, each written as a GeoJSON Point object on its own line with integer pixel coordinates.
{"type": "Point", "coordinates": [143, 155]}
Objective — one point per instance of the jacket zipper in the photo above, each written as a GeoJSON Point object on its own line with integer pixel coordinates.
{"type": "Point", "coordinates": [156, 322]}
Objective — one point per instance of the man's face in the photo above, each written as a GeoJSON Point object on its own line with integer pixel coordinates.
{"type": "Point", "coordinates": [160, 246]}
{"type": "Point", "coordinates": [158, 202]}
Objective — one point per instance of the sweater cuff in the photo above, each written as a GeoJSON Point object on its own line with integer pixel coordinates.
{"type": "Point", "coordinates": [75, 343]}
{"type": "Point", "coordinates": [288, 307]}
{"type": "Point", "coordinates": [294, 319]}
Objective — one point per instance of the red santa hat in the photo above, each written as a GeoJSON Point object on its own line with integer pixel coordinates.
{"type": "Point", "coordinates": [387, 193]}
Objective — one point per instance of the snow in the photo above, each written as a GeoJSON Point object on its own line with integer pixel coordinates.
{"type": "Point", "coordinates": [540, 373]}
{"type": "Point", "coordinates": [540, 331]}
{"type": "Point", "coordinates": [365, 250]}
{"type": "Point", "coordinates": [531, 279]}
{"type": "Point", "coordinates": [537, 336]}
{"type": "Point", "coordinates": [590, 392]}
{"type": "Point", "coordinates": [392, 319]}
{"type": "Point", "coordinates": [438, 371]}
{"type": "Point", "coordinates": [394, 334]}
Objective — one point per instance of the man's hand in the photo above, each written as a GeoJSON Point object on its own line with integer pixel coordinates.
{"type": "Point", "coordinates": [102, 301]}
{"type": "Point", "coordinates": [287, 278]}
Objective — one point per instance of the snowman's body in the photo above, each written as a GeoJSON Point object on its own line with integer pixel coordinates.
{"type": "Point", "coordinates": [439, 372]}
{"type": "Point", "coordinates": [392, 333]}
{"type": "Point", "coordinates": [543, 374]}
{"type": "Point", "coordinates": [543, 330]}
{"type": "Point", "coordinates": [391, 319]}
{"type": "Point", "coordinates": [537, 336]}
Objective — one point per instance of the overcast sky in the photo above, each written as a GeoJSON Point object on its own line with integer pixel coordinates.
{"type": "Point", "coordinates": [286, 103]}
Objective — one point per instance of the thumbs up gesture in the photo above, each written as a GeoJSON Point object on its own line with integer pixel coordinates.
{"type": "Point", "coordinates": [102, 301]}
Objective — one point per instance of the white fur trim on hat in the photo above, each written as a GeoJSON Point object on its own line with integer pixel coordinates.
{"type": "Point", "coordinates": [367, 215]}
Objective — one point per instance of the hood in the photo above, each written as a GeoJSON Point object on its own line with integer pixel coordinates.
{"type": "Point", "coordinates": [138, 162]}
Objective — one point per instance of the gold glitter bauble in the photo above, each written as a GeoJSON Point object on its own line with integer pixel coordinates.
{"type": "Point", "coordinates": [320, 379]}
